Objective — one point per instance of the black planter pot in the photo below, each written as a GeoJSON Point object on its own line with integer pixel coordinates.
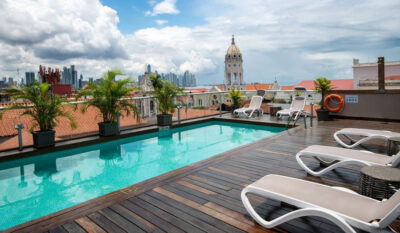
{"type": "Point", "coordinates": [42, 139]}
{"type": "Point", "coordinates": [234, 107]}
{"type": "Point", "coordinates": [108, 129]}
{"type": "Point", "coordinates": [164, 120]}
{"type": "Point", "coordinates": [322, 114]}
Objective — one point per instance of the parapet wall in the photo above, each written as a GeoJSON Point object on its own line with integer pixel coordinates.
{"type": "Point", "coordinates": [370, 104]}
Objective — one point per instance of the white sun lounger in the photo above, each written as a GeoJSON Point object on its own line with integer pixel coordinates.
{"type": "Point", "coordinates": [296, 107]}
{"type": "Point", "coordinates": [255, 105]}
{"type": "Point", "coordinates": [345, 208]}
{"type": "Point", "coordinates": [343, 156]}
{"type": "Point", "coordinates": [368, 134]}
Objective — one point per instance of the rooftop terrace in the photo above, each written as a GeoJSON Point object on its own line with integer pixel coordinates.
{"type": "Point", "coordinates": [205, 196]}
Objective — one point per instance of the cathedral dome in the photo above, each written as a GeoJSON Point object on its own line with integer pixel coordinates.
{"type": "Point", "coordinates": [233, 49]}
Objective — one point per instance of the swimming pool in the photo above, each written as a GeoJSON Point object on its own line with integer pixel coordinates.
{"type": "Point", "coordinates": [37, 186]}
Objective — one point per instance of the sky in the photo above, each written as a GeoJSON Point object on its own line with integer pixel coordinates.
{"type": "Point", "coordinates": [287, 40]}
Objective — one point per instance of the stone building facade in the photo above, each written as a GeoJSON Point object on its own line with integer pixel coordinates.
{"type": "Point", "coordinates": [233, 68]}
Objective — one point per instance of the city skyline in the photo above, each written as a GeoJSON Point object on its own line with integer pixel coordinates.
{"type": "Point", "coordinates": [291, 41]}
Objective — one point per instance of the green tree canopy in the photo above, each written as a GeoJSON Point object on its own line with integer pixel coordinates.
{"type": "Point", "coordinates": [108, 96]}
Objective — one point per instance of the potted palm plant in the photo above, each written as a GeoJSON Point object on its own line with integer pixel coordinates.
{"type": "Point", "coordinates": [165, 102]}
{"type": "Point", "coordinates": [322, 85]}
{"type": "Point", "coordinates": [45, 108]}
{"type": "Point", "coordinates": [108, 96]}
{"type": "Point", "coordinates": [235, 96]}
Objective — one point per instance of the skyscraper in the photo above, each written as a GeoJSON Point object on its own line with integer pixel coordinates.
{"type": "Point", "coordinates": [188, 79]}
{"type": "Point", "coordinates": [80, 82]}
{"type": "Point", "coordinates": [10, 81]}
{"type": "Point", "coordinates": [149, 69]}
{"type": "Point", "coordinates": [29, 77]}
{"type": "Point", "coordinates": [70, 76]}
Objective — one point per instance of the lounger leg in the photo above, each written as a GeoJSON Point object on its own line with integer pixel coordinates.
{"type": "Point", "coordinates": [340, 222]}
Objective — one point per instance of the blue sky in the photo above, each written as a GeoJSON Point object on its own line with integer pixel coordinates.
{"type": "Point", "coordinates": [132, 14]}
{"type": "Point", "coordinates": [290, 40]}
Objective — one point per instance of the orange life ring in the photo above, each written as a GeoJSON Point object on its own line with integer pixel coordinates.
{"type": "Point", "coordinates": [338, 98]}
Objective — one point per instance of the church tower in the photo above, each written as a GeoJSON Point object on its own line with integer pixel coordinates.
{"type": "Point", "coordinates": [233, 68]}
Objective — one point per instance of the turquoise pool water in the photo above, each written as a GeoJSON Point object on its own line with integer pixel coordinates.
{"type": "Point", "coordinates": [33, 187]}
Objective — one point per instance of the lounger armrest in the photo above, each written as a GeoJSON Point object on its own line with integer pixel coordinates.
{"type": "Point", "coordinates": [345, 189]}
{"type": "Point", "coordinates": [309, 211]}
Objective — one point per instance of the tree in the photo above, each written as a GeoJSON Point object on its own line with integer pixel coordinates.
{"type": "Point", "coordinates": [46, 107]}
{"type": "Point", "coordinates": [235, 96]}
{"type": "Point", "coordinates": [108, 96]}
{"type": "Point", "coordinates": [156, 81]}
{"type": "Point", "coordinates": [165, 97]}
{"type": "Point", "coordinates": [322, 85]}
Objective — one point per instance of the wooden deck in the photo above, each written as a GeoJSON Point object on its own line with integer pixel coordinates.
{"type": "Point", "coordinates": [205, 197]}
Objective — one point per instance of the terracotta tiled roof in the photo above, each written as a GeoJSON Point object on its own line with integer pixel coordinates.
{"type": "Point", "coordinates": [258, 86]}
{"type": "Point", "coordinates": [86, 122]}
{"type": "Point", "coordinates": [87, 125]}
{"type": "Point", "coordinates": [287, 88]}
{"type": "Point", "coordinates": [337, 84]}
{"type": "Point", "coordinates": [198, 90]}
{"type": "Point", "coordinates": [394, 77]}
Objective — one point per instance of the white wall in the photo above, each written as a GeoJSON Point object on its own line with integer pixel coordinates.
{"type": "Point", "coordinates": [370, 72]}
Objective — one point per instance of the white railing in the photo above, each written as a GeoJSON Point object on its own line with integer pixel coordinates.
{"type": "Point", "coordinates": [207, 99]}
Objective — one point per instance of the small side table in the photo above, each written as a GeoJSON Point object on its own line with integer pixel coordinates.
{"type": "Point", "coordinates": [379, 182]}
{"type": "Point", "coordinates": [274, 109]}
{"type": "Point", "coordinates": [393, 146]}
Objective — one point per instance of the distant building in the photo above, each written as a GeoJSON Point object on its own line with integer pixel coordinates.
{"type": "Point", "coordinates": [365, 75]}
{"type": "Point", "coordinates": [233, 68]}
{"type": "Point", "coordinates": [188, 80]}
{"type": "Point", "coordinates": [70, 76]}
{"type": "Point", "coordinates": [172, 78]}
{"type": "Point", "coordinates": [80, 82]}
{"type": "Point", "coordinates": [29, 77]}
{"type": "Point", "coordinates": [149, 69]}
{"type": "Point", "coordinates": [10, 81]}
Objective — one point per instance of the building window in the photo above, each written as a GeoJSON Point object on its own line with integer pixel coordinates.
{"type": "Point", "coordinates": [151, 107]}
{"type": "Point", "coordinates": [200, 102]}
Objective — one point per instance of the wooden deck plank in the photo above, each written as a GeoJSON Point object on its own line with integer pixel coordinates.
{"type": "Point", "coordinates": [120, 221]}
{"type": "Point", "coordinates": [89, 226]}
{"type": "Point", "coordinates": [134, 218]}
{"type": "Point", "coordinates": [73, 227]}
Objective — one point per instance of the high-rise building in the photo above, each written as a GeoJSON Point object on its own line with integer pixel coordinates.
{"type": "Point", "coordinates": [10, 81]}
{"type": "Point", "coordinates": [29, 77]}
{"type": "Point", "coordinates": [70, 76]}
{"type": "Point", "coordinates": [149, 69]}
{"type": "Point", "coordinates": [80, 82]}
{"type": "Point", "coordinates": [188, 79]}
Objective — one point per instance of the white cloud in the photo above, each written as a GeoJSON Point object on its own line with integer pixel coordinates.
{"type": "Point", "coordinates": [161, 22]}
{"type": "Point", "coordinates": [165, 7]}
{"type": "Point", "coordinates": [290, 40]}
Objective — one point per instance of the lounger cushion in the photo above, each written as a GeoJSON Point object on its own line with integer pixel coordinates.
{"type": "Point", "coordinates": [348, 154]}
{"type": "Point", "coordinates": [368, 132]}
{"type": "Point", "coordinates": [318, 195]}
